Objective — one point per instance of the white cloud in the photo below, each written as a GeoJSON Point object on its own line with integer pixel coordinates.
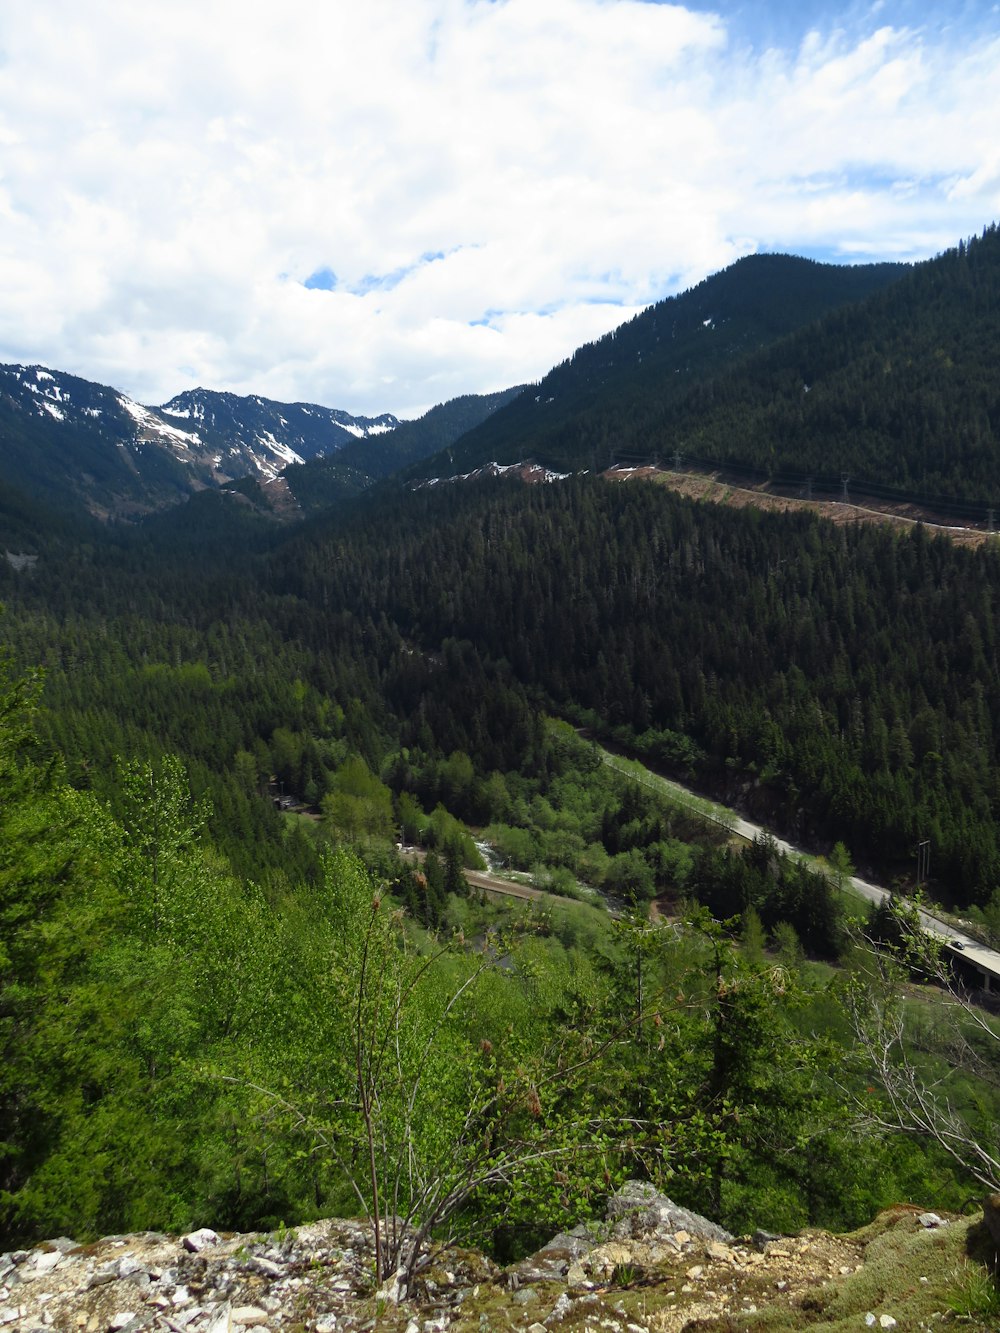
{"type": "Point", "coordinates": [170, 175]}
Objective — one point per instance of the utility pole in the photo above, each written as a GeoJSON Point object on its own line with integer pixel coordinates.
{"type": "Point", "coordinates": [809, 488]}
{"type": "Point", "coordinates": [923, 861]}
{"type": "Point", "coordinates": [845, 478]}
{"type": "Point", "coordinates": [678, 460]}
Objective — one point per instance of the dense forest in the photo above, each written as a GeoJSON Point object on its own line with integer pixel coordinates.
{"type": "Point", "coordinates": [218, 734]}
{"type": "Point", "coordinates": [844, 680]}
{"type": "Point", "coordinates": [893, 387]}
{"type": "Point", "coordinates": [614, 394]}
{"type": "Point", "coordinates": [179, 1040]}
{"type": "Point", "coordinates": [389, 670]}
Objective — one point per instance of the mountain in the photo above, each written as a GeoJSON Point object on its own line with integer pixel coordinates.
{"type": "Point", "coordinates": [899, 391]}
{"type": "Point", "coordinates": [254, 435]}
{"type": "Point", "coordinates": [322, 481]}
{"type": "Point", "coordinates": [84, 447]}
{"type": "Point", "coordinates": [891, 389]}
{"type": "Point", "coordinates": [616, 393]}
{"type": "Point", "coordinates": [80, 446]}
{"type": "Point", "coordinates": [437, 429]}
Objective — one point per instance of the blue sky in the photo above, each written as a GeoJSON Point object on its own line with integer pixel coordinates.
{"type": "Point", "coordinates": [767, 23]}
{"type": "Point", "coordinates": [381, 206]}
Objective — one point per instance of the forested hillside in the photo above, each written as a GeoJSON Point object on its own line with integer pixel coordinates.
{"type": "Point", "coordinates": [752, 368]}
{"type": "Point", "coordinates": [182, 1043]}
{"type": "Point", "coordinates": [843, 682]}
{"type": "Point", "coordinates": [614, 395]}
{"type": "Point", "coordinates": [900, 390]}
{"type": "Point", "coordinates": [215, 732]}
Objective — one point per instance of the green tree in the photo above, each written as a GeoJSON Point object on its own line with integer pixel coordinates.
{"type": "Point", "coordinates": [841, 864]}
{"type": "Point", "coordinates": [40, 861]}
{"type": "Point", "coordinates": [411, 817]}
{"type": "Point", "coordinates": [161, 825]}
{"type": "Point", "coordinates": [358, 805]}
{"type": "Point", "coordinates": [429, 1094]}
{"type": "Point", "coordinates": [924, 1075]}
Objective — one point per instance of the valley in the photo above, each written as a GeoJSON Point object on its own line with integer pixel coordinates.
{"type": "Point", "coordinates": [218, 1011]}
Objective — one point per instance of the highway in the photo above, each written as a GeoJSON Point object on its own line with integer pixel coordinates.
{"type": "Point", "coordinates": [975, 956]}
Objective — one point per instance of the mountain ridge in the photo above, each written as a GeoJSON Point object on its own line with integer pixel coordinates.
{"type": "Point", "coordinates": [574, 417]}
{"type": "Point", "coordinates": [881, 371]}
{"type": "Point", "coordinates": [77, 445]}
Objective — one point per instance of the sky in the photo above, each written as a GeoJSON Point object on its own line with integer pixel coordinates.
{"type": "Point", "coordinates": [381, 205]}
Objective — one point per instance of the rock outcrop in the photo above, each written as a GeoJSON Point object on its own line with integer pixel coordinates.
{"type": "Point", "coordinates": [649, 1266]}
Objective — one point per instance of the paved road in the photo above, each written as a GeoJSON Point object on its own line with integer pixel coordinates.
{"type": "Point", "coordinates": [987, 960]}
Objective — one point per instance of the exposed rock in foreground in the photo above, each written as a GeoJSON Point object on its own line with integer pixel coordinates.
{"type": "Point", "coordinates": [650, 1266]}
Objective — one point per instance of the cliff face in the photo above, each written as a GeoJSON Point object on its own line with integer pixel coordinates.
{"type": "Point", "coordinates": [650, 1266]}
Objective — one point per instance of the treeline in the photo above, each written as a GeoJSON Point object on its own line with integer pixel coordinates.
{"type": "Point", "coordinates": [843, 681]}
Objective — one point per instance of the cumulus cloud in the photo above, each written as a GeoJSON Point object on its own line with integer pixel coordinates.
{"type": "Point", "coordinates": [381, 206]}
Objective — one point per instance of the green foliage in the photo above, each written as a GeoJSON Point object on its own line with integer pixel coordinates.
{"type": "Point", "coordinates": [403, 1079]}
{"type": "Point", "coordinates": [358, 805]}
{"type": "Point", "coordinates": [933, 1068]}
{"type": "Point", "coordinates": [975, 1295]}
{"type": "Point", "coordinates": [146, 945]}
{"type": "Point", "coordinates": [432, 1087]}
{"type": "Point", "coordinates": [778, 889]}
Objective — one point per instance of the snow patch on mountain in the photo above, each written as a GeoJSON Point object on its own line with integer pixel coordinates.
{"type": "Point", "coordinates": [147, 420]}
{"type": "Point", "coordinates": [532, 473]}
{"type": "Point", "coordinates": [282, 451]}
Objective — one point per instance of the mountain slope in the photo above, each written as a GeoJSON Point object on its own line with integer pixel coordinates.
{"type": "Point", "coordinates": [900, 391]}
{"type": "Point", "coordinates": [77, 445]}
{"type": "Point", "coordinates": [323, 481]}
{"type": "Point", "coordinates": [259, 436]}
{"type": "Point", "coordinates": [612, 392]}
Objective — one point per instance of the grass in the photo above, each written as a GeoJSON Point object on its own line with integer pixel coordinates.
{"type": "Point", "coordinates": [705, 809]}
{"type": "Point", "coordinates": [975, 1295]}
{"type": "Point", "coordinates": [923, 1278]}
